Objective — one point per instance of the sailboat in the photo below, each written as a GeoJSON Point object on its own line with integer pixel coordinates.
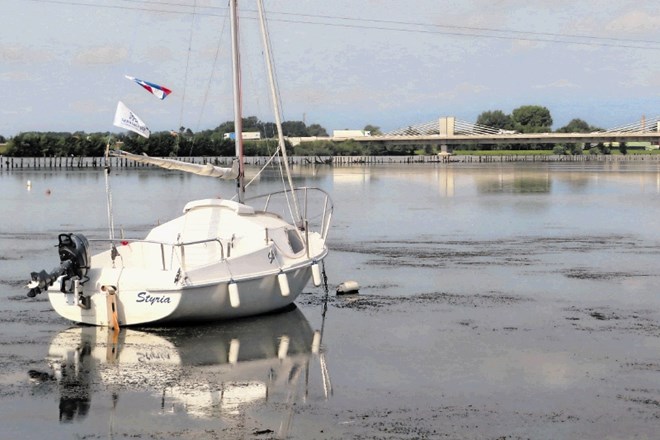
{"type": "Point", "coordinates": [221, 259]}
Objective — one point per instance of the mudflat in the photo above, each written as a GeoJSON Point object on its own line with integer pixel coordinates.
{"type": "Point", "coordinates": [470, 363]}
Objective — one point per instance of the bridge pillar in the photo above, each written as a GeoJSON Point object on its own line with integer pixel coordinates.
{"type": "Point", "coordinates": [446, 126]}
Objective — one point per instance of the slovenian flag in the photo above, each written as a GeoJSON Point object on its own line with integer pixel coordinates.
{"type": "Point", "coordinates": [156, 90]}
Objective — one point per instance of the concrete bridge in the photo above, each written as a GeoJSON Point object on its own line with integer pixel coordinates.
{"type": "Point", "coordinates": [448, 132]}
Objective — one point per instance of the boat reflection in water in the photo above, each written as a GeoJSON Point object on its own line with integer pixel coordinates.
{"type": "Point", "coordinates": [203, 371]}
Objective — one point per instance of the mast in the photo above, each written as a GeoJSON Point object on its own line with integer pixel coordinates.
{"type": "Point", "coordinates": [276, 103]}
{"type": "Point", "coordinates": [238, 110]}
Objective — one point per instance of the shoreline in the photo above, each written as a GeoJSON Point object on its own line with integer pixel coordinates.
{"type": "Point", "coordinates": [72, 162]}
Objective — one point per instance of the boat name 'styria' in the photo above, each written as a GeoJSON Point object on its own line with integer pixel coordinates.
{"type": "Point", "coordinates": [153, 356]}
{"type": "Point", "coordinates": [145, 297]}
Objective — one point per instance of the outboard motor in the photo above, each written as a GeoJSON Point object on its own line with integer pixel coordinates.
{"type": "Point", "coordinates": [74, 263]}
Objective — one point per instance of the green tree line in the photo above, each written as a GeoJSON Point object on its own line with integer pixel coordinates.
{"type": "Point", "coordinates": [524, 119]}
{"type": "Point", "coordinates": [537, 119]}
{"type": "Point", "coordinates": [165, 143]}
{"type": "Point", "coordinates": [185, 142]}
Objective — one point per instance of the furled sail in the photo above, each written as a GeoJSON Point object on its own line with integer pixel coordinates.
{"type": "Point", "coordinates": [173, 164]}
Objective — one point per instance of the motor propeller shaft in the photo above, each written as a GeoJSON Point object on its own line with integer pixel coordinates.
{"type": "Point", "coordinates": [74, 263]}
{"type": "Point", "coordinates": [42, 280]}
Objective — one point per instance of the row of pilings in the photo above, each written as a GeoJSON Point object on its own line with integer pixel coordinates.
{"type": "Point", "coordinates": [70, 162]}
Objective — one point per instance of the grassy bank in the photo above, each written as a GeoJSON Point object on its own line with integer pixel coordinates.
{"type": "Point", "coordinates": [503, 152]}
{"type": "Point", "coordinates": [614, 152]}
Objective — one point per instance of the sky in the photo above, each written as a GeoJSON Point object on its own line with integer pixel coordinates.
{"type": "Point", "coordinates": [343, 64]}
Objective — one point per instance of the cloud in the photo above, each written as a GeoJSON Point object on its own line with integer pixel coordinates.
{"type": "Point", "coordinates": [8, 54]}
{"type": "Point", "coordinates": [518, 46]}
{"type": "Point", "coordinates": [646, 80]}
{"type": "Point", "coordinates": [635, 22]}
{"type": "Point", "coordinates": [16, 75]}
{"type": "Point", "coordinates": [22, 54]}
{"type": "Point", "coordinates": [16, 111]}
{"type": "Point", "coordinates": [559, 84]}
{"type": "Point", "coordinates": [88, 106]}
{"type": "Point", "coordinates": [161, 54]}
{"type": "Point", "coordinates": [101, 55]}
{"type": "Point", "coordinates": [462, 89]}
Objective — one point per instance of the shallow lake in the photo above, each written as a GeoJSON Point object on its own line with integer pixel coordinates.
{"type": "Point", "coordinates": [513, 300]}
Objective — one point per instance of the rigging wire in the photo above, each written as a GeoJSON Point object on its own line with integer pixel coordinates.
{"type": "Point", "coordinates": [213, 66]}
{"type": "Point", "coordinates": [277, 109]}
{"type": "Point", "coordinates": [107, 168]}
{"type": "Point", "coordinates": [256, 176]}
{"type": "Point", "coordinates": [185, 77]}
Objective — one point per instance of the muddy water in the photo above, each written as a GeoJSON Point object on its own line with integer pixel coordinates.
{"type": "Point", "coordinates": [499, 301]}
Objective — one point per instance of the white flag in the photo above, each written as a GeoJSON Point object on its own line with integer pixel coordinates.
{"type": "Point", "coordinates": [125, 118]}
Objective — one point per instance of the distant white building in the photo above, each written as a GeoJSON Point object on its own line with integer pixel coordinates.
{"type": "Point", "coordinates": [349, 134]}
{"type": "Point", "coordinates": [297, 140]}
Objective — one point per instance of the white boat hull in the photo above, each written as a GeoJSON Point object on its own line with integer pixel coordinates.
{"type": "Point", "coordinates": [190, 270]}
{"type": "Point", "coordinates": [193, 303]}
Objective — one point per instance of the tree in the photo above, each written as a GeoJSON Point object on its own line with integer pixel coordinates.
{"type": "Point", "coordinates": [623, 148]}
{"type": "Point", "coordinates": [268, 130]}
{"type": "Point", "coordinates": [599, 148]}
{"type": "Point", "coordinates": [315, 148]}
{"type": "Point", "coordinates": [576, 126]}
{"type": "Point", "coordinates": [294, 128]}
{"type": "Point", "coordinates": [373, 129]}
{"type": "Point", "coordinates": [495, 119]}
{"type": "Point", "coordinates": [559, 149]}
{"type": "Point", "coordinates": [316, 130]}
{"type": "Point", "coordinates": [225, 127]}
{"type": "Point", "coordinates": [532, 119]}
{"type": "Point", "coordinates": [251, 123]}
{"type": "Point", "coordinates": [352, 148]}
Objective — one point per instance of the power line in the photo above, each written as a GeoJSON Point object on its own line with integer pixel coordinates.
{"type": "Point", "coordinates": [623, 43]}
{"type": "Point", "coordinates": [133, 8]}
{"type": "Point", "coordinates": [385, 25]}
{"type": "Point", "coordinates": [471, 28]}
